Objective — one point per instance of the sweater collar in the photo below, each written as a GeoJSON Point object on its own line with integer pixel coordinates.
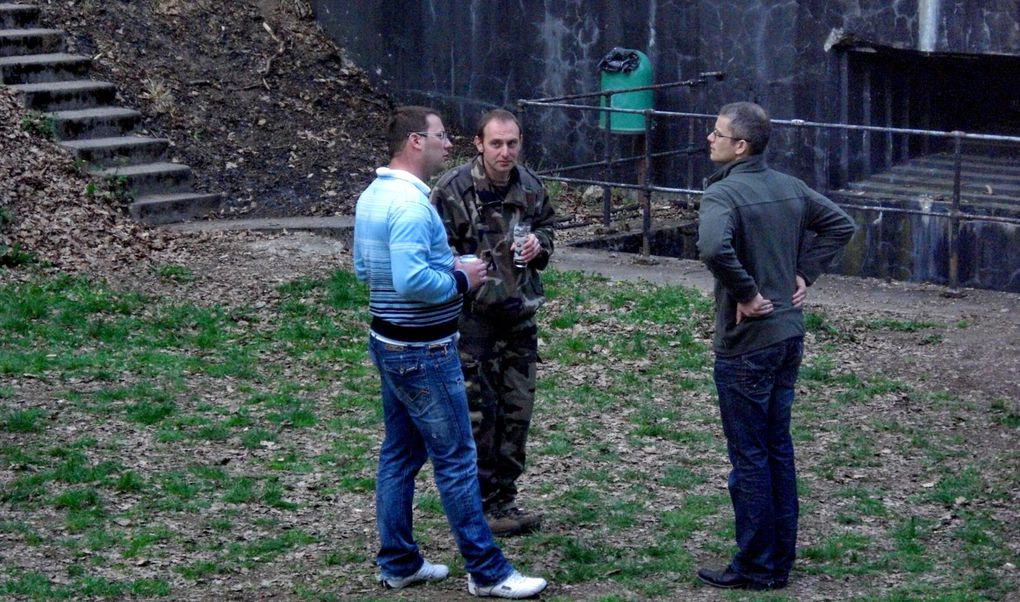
{"type": "Point", "coordinates": [400, 174]}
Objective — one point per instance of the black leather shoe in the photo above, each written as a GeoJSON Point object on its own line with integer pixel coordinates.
{"type": "Point", "coordinates": [729, 579]}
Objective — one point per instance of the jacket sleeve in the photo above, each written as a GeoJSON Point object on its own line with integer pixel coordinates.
{"type": "Point", "coordinates": [543, 227]}
{"type": "Point", "coordinates": [413, 276]}
{"type": "Point", "coordinates": [832, 229]}
{"type": "Point", "coordinates": [715, 246]}
{"type": "Point", "coordinates": [453, 213]}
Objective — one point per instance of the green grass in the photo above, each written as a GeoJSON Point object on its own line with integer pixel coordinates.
{"type": "Point", "coordinates": [229, 440]}
{"type": "Point", "coordinates": [839, 554]}
{"type": "Point", "coordinates": [896, 325]}
{"type": "Point", "coordinates": [1005, 413]}
{"type": "Point", "coordinates": [36, 586]}
{"type": "Point", "coordinates": [176, 273]}
{"type": "Point", "coordinates": [965, 485]}
{"type": "Point", "coordinates": [23, 421]}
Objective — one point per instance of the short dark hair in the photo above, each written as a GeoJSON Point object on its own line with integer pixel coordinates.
{"type": "Point", "coordinates": [495, 115]}
{"type": "Point", "coordinates": [749, 122]}
{"type": "Point", "coordinates": [405, 121]}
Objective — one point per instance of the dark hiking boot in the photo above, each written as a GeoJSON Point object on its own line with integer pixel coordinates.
{"type": "Point", "coordinates": [511, 521]}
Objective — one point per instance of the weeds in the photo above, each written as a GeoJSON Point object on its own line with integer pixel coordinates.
{"type": "Point", "coordinates": [39, 125]}
{"type": "Point", "coordinates": [15, 255]}
{"type": "Point", "coordinates": [176, 273]}
{"type": "Point", "coordinates": [159, 94]}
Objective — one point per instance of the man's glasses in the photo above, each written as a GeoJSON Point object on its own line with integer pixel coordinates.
{"type": "Point", "coordinates": [718, 134]}
{"type": "Point", "coordinates": [440, 135]}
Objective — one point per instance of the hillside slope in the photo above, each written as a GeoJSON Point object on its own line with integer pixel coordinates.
{"type": "Point", "coordinates": [253, 95]}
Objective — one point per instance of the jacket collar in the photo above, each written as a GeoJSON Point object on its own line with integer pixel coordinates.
{"type": "Point", "coordinates": [485, 189]}
{"type": "Point", "coordinates": [747, 165]}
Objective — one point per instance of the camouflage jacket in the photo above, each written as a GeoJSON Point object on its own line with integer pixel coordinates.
{"type": "Point", "coordinates": [479, 222]}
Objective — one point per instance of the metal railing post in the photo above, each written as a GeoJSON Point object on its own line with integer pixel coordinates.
{"type": "Point", "coordinates": [690, 144]}
{"type": "Point", "coordinates": [646, 222]}
{"type": "Point", "coordinates": [954, 219]}
{"type": "Point", "coordinates": [866, 117]}
{"type": "Point", "coordinates": [607, 195]}
{"type": "Point", "coordinates": [887, 85]}
{"type": "Point", "coordinates": [844, 117]}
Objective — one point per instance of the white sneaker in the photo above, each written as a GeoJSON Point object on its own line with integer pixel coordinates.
{"type": "Point", "coordinates": [426, 574]}
{"type": "Point", "coordinates": [515, 586]}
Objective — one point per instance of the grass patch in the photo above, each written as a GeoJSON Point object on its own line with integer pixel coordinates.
{"type": "Point", "coordinates": [23, 421]}
{"type": "Point", "coordinates": [900, 325]}
{"type": "Point", "coordinates": [176, 273]}
{"type": "Point", "coordinates": [242, 422]}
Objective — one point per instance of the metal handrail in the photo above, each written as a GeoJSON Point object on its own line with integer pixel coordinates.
{"type": "Point", "coordinates": [954, 214]}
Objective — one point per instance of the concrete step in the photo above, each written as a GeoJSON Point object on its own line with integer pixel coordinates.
{"type": "Point", "coordinates": [65, 96]}
{"type": "Point", "coordinates": [97, 122]}
{"type": "Point", "coordinates": [965, 168]}
{"type": "Point", "coordinates": [978, 178]}
{"type": "Point", "coordinates": [19, 42]}
{"type": "Point", "coordinates": [18, 15]}
{"type": "Point", "coordinates": [171, 208]}
{"type": "Point", "coordinates": [969, 185]}
{"type": "Point", "coordinates": [938, 205]}
{"type": "Point", "coordinates": [904, 191]}
{"type": "Point", "coordinates": [118, 151]}
{"type": "Point", "coordinates": [33, 68]}
{"type": "Point", "coordinates": [967, 163]}
{"type": "Point", "coordinates": [150, 178]}
{"type": "Point", "coordinates": [50, 81]}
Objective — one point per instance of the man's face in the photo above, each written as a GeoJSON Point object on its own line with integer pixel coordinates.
{"type": "Point", "coordinates": [436, 145]}
{"type": "Point", "coordinates": [722, 147]}
{"type": "Point", "coordinates": [499, 147]}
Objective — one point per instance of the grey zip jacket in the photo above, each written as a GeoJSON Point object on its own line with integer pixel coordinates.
{"type": "Point", "coordinates": [758, 229]}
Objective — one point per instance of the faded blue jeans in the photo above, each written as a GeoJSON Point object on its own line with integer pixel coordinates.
{"type": "Point", "coordinates": [755, 398]}
{"type": "Point", "coordinates": [426, 416]}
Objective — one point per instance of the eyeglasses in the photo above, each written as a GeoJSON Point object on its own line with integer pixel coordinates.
{"type": "Point", "coordinates": [439, 135]}
{"type": "Point", "coordinates": [718, 134]}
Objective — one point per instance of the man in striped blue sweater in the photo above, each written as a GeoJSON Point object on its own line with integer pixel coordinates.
{"type": "Point", "coordinates": [416, 287]}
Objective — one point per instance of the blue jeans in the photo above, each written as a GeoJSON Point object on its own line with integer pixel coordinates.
{"type": "Point", "coordinates": [755, 398]}
{"type": "Point", "coordinates": [426, 416]}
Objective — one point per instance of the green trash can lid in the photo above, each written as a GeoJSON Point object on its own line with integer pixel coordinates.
{"type": "Point", "coordinates": [620, 60]}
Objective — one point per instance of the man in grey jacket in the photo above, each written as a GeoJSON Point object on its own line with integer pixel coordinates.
{"type": "Point", "coordinates": [766, 237]}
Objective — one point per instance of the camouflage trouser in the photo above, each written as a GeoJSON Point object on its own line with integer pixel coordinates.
{"type": "Point", "coordinates": [498, 358]}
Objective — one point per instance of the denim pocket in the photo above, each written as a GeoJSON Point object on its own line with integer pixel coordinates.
{"type": "Point", "coordinates": [408, 376]}
{"type": "Point", "coordinates": [758, 369]}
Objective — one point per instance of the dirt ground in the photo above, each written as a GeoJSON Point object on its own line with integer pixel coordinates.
{"type": "Point", "coordinates": [974, 357]}
{"type": "Point", "coordinates": [252, 94]}
{"type": "Point", "coordinates": [980, 354]}
{"type": "Point", "coordinates": [978, 350]}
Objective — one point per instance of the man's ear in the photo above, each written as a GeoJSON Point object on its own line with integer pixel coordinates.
{"type": "Point", "coordinates": [744, 150]}
{"type": "Point", "coordinates": [479, 145]}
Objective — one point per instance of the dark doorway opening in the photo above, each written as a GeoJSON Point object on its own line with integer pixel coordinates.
{"type": "Point", "coordinates": [928, 91]}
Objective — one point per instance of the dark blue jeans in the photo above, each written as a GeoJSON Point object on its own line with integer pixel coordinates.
{"type": "Point", "coordinates": [426, 416]}
{"type": "Point", "coordinates": [755, 398]}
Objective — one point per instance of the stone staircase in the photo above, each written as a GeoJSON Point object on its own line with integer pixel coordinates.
{"type": "Point", "coordinates": [987, 179]}
{"type": "Point", "coordinates": [84, 120]}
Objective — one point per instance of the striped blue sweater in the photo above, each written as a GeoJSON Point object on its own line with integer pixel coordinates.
{"type": "Point", "coordinates": [401, 251]}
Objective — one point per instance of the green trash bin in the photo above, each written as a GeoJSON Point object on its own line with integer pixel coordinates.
{"type": "Point", "coordinates": [626, 68]}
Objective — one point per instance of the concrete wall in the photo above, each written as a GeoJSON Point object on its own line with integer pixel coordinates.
{"type": "Point", "coordinates": [465, 56]}
{"type": "Point", "coordinates": [469, 55]}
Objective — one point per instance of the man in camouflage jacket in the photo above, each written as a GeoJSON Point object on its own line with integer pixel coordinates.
{"type": "Point", "coordinates": [480, 202]}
